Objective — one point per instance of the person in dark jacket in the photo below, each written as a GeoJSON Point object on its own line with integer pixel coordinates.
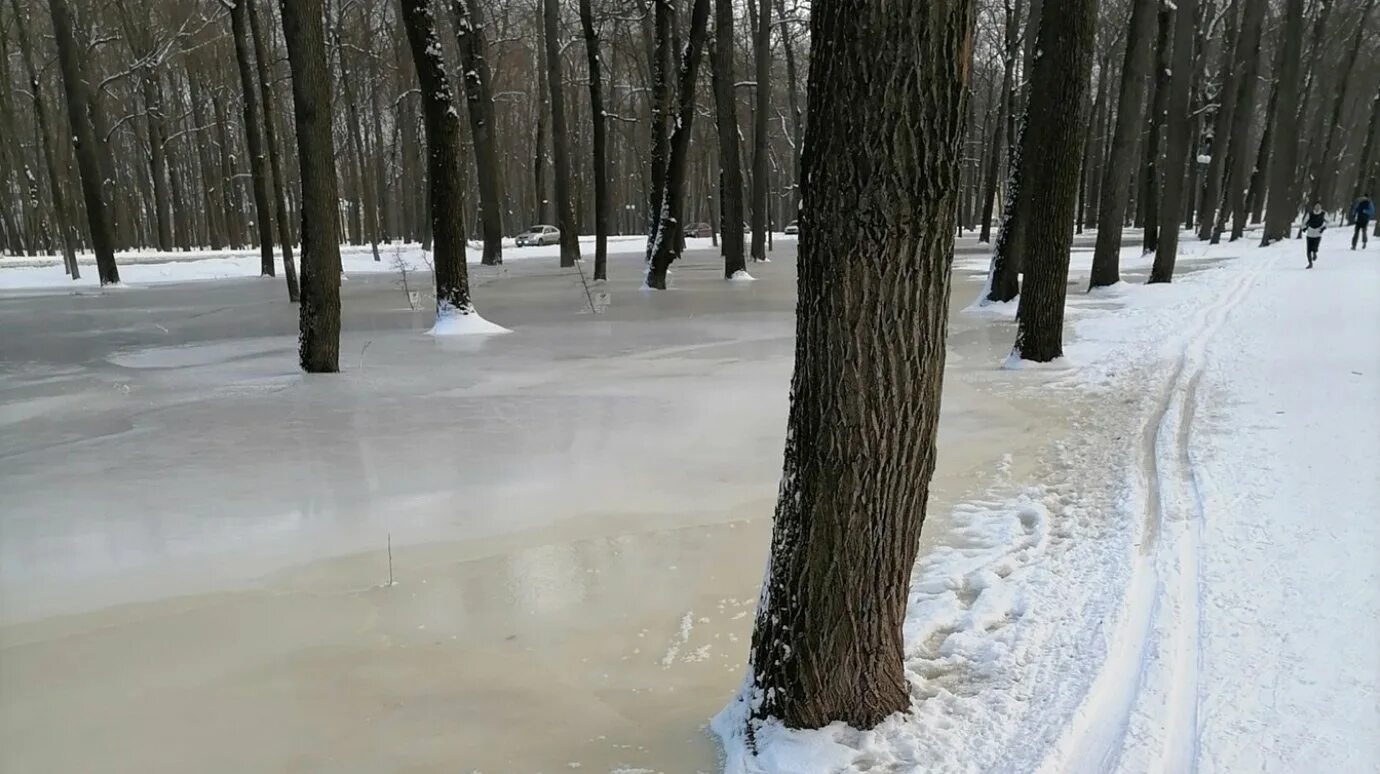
{"type": "Point", "coordinates": [1313, 230]}
{"type": "Point", "coordinates": [1363, 213]}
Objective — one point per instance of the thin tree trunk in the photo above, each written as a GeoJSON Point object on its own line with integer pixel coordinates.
{"type": "Point", "coordinates": [319, 311]}
{"type": "Point", "coordinates": [660, 103]}
{"type": "Point", "coordinates": [560, 138]}
{"type": "Point", "coordinates": [1221, 127]}
{"type": "Point", "coordinates": [1177, 135]}
{"type": "Point", "coordinates": [469, 33]}
{"type": "Point", "coordinates": [63, 216]}
{"type": "Point", "coordinates": [874, 288]}
{"type": "Point", "coordinates": [275, 163]}
{"type": "Point", "coordinates": [234, 228]}
{"type": "Point", "coordinates": [85, 143]}
{"type": "Point", "coordinates": [669, 234]}
{"type": "Point", "coordinates": [1050, 170]}
{"type": "Point", "coordinates": [793, 97]}
{"type": "Point", "coordinates": [1092, 156]}
{"type": "Point", "coordinates": [601, 172]}
{"type": "Point", "coordinates": [258, 162]}
{"type": "Point", "coordinates": [1305, 178]}
{"type": "Point", "coordinates": [730, 159]}
{"type": "Point", "coordinates": [443, 162]}
{"type": "Point", "coordinates": [1365, 171]}
{"type": "Point", "coordinates": [760, 149]}
{"type": "Point", "coordinates": [1106, 265]}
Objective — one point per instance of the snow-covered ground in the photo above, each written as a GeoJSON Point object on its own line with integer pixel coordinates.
{"type": "Point", "coordinates": [146, 267]}
{"type": "Point", "coordinates": [1190, 580]}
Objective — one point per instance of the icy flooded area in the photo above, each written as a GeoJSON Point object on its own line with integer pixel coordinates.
{"type": "Point", "coordinates": [540, 551]}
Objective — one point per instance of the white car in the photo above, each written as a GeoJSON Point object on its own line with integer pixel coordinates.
{"type": "Point", "coordinates": [792, 228]}
{"type": "Point", "coordinates": [539, 235]}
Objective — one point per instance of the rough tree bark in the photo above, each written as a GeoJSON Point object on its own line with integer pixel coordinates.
{"type": "Point", "coordinates": [601, 165]}
{"type": "Point", "coordinates": [318, 347]}
{"type": "Point", "coordinates": [258, 161]}
{"type": "Point", "coordinates": [660, 54]}
{"type": "Point", "coordinates": [668, 243]}
{"type": "Point", "coordinates": [761, 48]}
{"type": "Point", "coordinates": [65, 219]}
{"type": "Point", "coordinates": [1116, 177]}
{"type": "Point", "coordinates": [442, 124]}
{"type": "Point", "coordinates": [878, 216]}
{"type": "Point", "coordinates": [1280, 207]}
{"type": "Point", "coordinates": [275, 161]}
{"type": "Point", "coordinates": [1177, 135]}
{"type": "Point", "coordinates": [84, 142]}
{"type": "Point", "coordinates": [730, 160]}
{"type": "Point", "coordinates": [470, 34]}
{"type": "Point", "coordinates": [1050, 167]}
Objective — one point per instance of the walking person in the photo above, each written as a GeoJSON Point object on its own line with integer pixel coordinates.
{"type": "Point", "coordinates": [1362, 214]}
{"type": "Point", "coordinates": [1313, 230]}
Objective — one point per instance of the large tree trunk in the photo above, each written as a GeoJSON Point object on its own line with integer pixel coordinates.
{"type": "Point", "coordinates": [1050, 165]}
{"type": "Point", "coordinates": [761, 48]}
{"type": "Point", "coordinates": [319, 311]}
{"type": "Point", "coordinates": [1237, 173]}
{"type": "Point", "coordinates": [62, 214]}
{"type": "Point", "coordinates": [730, 160]}
{"type": "Point", "coordinates": [1116, 177]}
{"type": "Point", "coordinates": [1280, 207]}
{"type": "Point", "coordinates": [560, 138]}
{"type": "Point", "coordinates": [443, 162]}
{"type": "Point", "coordinates": [874, 290]}
{"type": "Point", "coordinates": [258, 161]}
{"type": "Point", "coordinates": [85, 143]}
{"type": "Point", "coordinates": [469, 32]}
{"type": "Point", "coordinates": [1221, 126]}
{"type": "Point", "coordinates": [275, 163]}
{"type": "Point", "coordinates": [1324, 190]}
{"type": "Point", "coordinates": [601, 171]}
{"type": "Point", "coordinates": [1177, 135]}
{"type": "Point", "coordinates": [668, 243]}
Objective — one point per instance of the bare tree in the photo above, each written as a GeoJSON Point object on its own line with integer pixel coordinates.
{"type": "Point", "coordinates": [730, 160]}
{"type": "Point", "coordinates": [560, 139]}
{"type": "Point", "coordinates": [668, 241]}
{"type": "Point", "coordinates": [84, 143]}
{"type": "Point", "coordinates": [275, 163]}
{"type": "Point", "coordinates": [761, 47]}
{"type": "Point", "coordinates": [258, 160]}
{"type": "Point", "coordinates": [470, 33]}
{"type": "Point", "coordinates": [1280, 208]}
{"type": "Point", "coordinates": [596, 102]}
{"type": "Point", "coordinates": [1116, 179]}
{"type": "Point", "coordinates": [319, 311]}
{"type": "Point", "coordinates": [865, 395]}
{"type": "Point", "coordinates": [1049, 171]}
{"type": "Point", "coordinates": [1177, 137]}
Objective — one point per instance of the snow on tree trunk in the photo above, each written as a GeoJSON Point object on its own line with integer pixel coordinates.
{"type": "Point", "coordinates": [881, 173]}
{"type": "Point", "coordinates": [1050, 170]}
{"type": "Point", "coordinates": [319, 311]}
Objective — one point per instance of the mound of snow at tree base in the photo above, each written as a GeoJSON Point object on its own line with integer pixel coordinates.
{"type": "Point", "coordinates": [1048, 632]}
{"type": "Point", "coordinates": [464, 322]}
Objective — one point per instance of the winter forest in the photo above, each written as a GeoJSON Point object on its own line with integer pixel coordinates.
{"type": "Point", "coordinates": [423, 385]}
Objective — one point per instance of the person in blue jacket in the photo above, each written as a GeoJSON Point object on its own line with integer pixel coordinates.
{"type": "Point", "coordinates": [1362, 214]}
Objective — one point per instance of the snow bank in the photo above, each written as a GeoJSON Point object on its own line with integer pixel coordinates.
{"type": "Point", "coordinates": [463, 322]}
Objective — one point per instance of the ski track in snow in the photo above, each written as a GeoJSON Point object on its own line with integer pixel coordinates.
{"type": "Point", "coordinates": [1149, 679]}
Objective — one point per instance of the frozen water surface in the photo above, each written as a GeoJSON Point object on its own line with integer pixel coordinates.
{"type": "Point", "coordinates": [192, 533]}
